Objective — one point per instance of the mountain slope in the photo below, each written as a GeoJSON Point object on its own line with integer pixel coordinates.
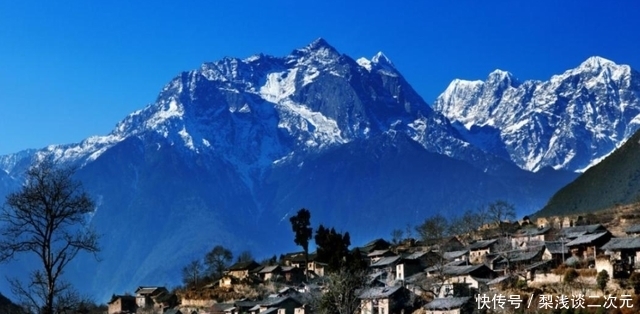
{"type": "Point", "coordinates": [569, 122]}
{"type": "Point", "coordinates": [615, 180]}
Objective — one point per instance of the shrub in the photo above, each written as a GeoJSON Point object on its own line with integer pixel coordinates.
{"type": "Point", "coordinates": [634, 282]}
{"type": "Point", "coordinates": [570, 275]}
{"type": "Point", "coordinates": [602, 279]}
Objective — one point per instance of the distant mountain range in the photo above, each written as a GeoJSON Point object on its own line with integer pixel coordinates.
{"type": "Point", "coordinates": [569, 122]}
{"type": "Point", "coordinates": [230, 150]}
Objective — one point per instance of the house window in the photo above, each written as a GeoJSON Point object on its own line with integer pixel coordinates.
{"type": "Point", "coordinates": [377, 307]}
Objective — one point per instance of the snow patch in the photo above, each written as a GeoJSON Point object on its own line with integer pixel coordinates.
{"type": "Point", "coordinates": [365, 63]}
{"type": "Point", "coordinates": [166, 111]}
{"type": "Point", "coordinates": [325, 130]}
{"type": "Point", "coordinates": [245, 108]}
{"type": "Point", "coordinates": [280, 85]}
{"type": "Point", "coordinates": [188, 141]}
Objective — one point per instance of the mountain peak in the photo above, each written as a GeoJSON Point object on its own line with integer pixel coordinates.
{"type": "Point", "coordinates": [381, 58]}
{"type": "Point", "coordinates": [500, 73]}
{"type": "Point", "coordinates": [500, 76]}
{"type": "Point", "coordinates": [319, 44]}
{"type": "Point", "coordinates": [596, 62]}
{"type": "Point", "coordinates": [318, 49]}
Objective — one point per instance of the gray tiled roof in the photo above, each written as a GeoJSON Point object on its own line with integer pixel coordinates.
{"type": "Point", "coordinates": [416, 255]}
{"type": "Point", "coordinates": [633, 229]}
{"type": "Point", "coordinates": [269, 302]}
{"type": "Point", "coordinates": [556, 247]}
{"type": "Point", "coordinates": [379, 292]}
{"type": "Point", "coordinates": [498, 280]}
{"type": "Point", "coordinates": [454, 254]}
{"type": "Point", "coordinates": [519, 255]}
{"type": "Point", "coordinates": [447, 303]}
{"type": "Point", "coordinates": [270, 310]}
{"type": "Point", "coordinates": [586, 239]}
{"type": "Point", "coordinates": [616, 244]}
{"type": "Point", "coordinates": [586, 229]}
{"type": "Point", "coordinates": [461, 270]}
{"type": "Point", "coordinates": [386, 261]}
{"type": "Point", "coordinates": [531, 232]}
{"type": "Point", "coordinates": [269, 269]}
{"type": "Point", "coordinates": [482, 244]}
{"type": "Point", "coordinates": [378, 253]}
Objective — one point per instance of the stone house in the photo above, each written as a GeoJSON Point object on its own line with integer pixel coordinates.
{"type": "Point", "coordinates": [530, 236]}
{"type": "Point", "coordinates": [378, 254]}
{"type": "Point", "coordinates": [478, 250]}
{"type": "Point", "coordinates": [578, 231]}
{"type": "Point", "coordinates": [228, 281]}
{"type": "Point", "coordinates": [377, 244]}
{"type": "Point", "coordinates": [515, 259]}
{"type": "Point", "coordinates": [624, 255]}
{"type": "Point", "coordinates": [316, 267]}
{"type": "Point", "coordinates": [270, 272]}
{"type": "Point", "coordinates": [386, 266]}
{"type": "Point", "coordinates": [408, 267]}
{"type": "Point", "coordinates": [461, 255]}
{"type": "Point", "coordinates": [588, 246]}
{"type": "Point", "coordinates": [384, 300]}
{"type": "Point", "coordinates": [473, 277]}
{"type": "Point", "coordinates": [458, 305]}
{"type": "Point", "coordinates": [122, 304]}
{"type": "Point", "coordinates": [281, 305]}
{"type": "Point", "coordinates": [241, 270]}
{"type": "Point", "coordinates": [425, 258]}
{"type": "Point", "coordinates": [151, 297]}
{"type": "Point", "coordinates": [555, 251]}
{"type": "Point", "coordinates": [295, 259]}
{"type": "Point", "coordinates": [292, 274]}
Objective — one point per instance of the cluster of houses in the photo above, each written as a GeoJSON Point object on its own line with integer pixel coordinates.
{"type": "Point", "coordinates": [445, 274]}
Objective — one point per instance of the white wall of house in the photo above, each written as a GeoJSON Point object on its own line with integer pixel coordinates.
{"type": "Point", "coordinates": [447, 288]}
{"type": "Point", "coordinates": [476, 256]}
{"type": "Point", "coordinates": [400, 271]}
{"type": "Point", "coordinates": [604, 263]}
{"type": "Point", "coordinates": [377, 306]}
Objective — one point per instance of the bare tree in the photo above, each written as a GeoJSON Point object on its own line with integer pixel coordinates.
{"type": "Point", "coordinates": [245, 256]}
{"type": "Point", "coordinates": [434, 228]}
{"type": "Point", "coordinates": [191, 273]}
{"type": "Point", "coordinates": [435, 232]}
{"type": "Point", "coordinates": [500, 211]}
{"type": "Point", "coordinates": [47, 217]}
{"type": "Point", "coordinates": [396, 236]}
{"type": "Point", "coordinates": [217, 261]}
{"type": "Point", "coordinates": [466, 226]}
{"type": "Point", "coordinates": [342, 296]}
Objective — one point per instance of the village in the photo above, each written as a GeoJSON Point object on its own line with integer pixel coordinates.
{"type": "Point", "coordinates": [552, 264]}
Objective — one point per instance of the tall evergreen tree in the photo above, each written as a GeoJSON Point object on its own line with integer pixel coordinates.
{"type": "Point", "coordinates": [301, 225]}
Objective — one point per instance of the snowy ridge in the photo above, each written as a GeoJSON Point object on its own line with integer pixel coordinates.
{"type": "Point", "coordinates": [569, 122]}
{"type": "Point", "coordinates": [260, 110]}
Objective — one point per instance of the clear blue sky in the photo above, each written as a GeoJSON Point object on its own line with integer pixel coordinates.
{"type": "Point", "coordinates": [71, 69]}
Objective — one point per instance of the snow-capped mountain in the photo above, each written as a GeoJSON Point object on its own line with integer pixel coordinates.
{"type": "Point", "coordinates": [569, 122]}
{"type": "Point", "coordinates": [228, 151]}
